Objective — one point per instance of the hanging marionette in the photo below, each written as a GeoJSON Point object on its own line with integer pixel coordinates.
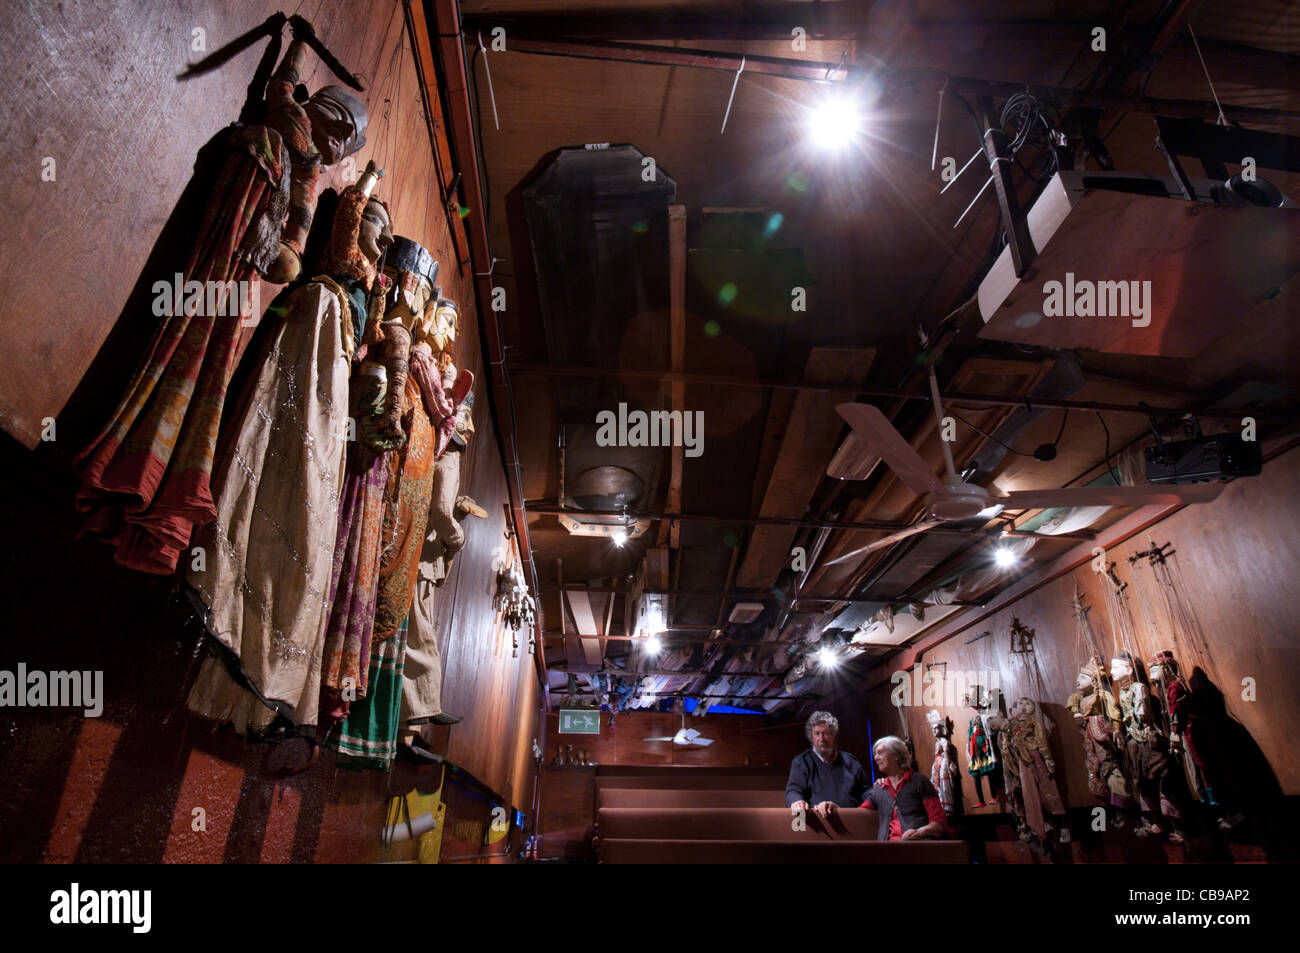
{"type": "Point", "coordinates": [1165, 677]}
{"type": "Point", "coordinates": [981, 747]}
{"type": "Point", "coordinates": [944, 772]}
{"type": "Point", "coordinates": [145, 478]}
{"type": "Point", "coordinates": [1097, 714]}
{"type": "Point", "coordinates": [1199, 730]}
{"type": "Point", "coordinates": [450, 506]}
{"type": "Point", "coordinates": [264, 585]}
{"type": "Point", "coordinates": [378, 393]}
{"type": "Point", "coordinates": [513, 601]}
{"type": "Point", "coordinates": [369, 736]}
{"type": "Point", "coordinates": [1147, 745]}
{"type": "Point", "coordinates": [1036, 801]}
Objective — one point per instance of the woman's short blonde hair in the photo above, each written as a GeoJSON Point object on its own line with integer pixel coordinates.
{"type": "Point", "coordinates": [897, 747]}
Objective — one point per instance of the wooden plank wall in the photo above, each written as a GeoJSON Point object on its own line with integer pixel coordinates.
{"type": "Point", "coordinates": [1241, 562]}
{"type": "Point", "coordinates": [96, 88]}
{"type": "Point", "coordinates": [568, 793]}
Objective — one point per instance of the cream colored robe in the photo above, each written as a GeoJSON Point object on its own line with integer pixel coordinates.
{"type": "Point", "coordinates": [269, 553]}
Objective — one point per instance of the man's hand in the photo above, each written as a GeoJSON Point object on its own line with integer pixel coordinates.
{"type": "Point", "coordinates": [798, 806]}
{"type": "Point", "coordinates": [908, 835]}
{"type": "Point", "coordinates": [824, 809]}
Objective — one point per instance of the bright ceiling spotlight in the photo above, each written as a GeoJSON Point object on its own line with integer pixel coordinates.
{"type": "Point", "coordinates": [835, 121]}
{"type": "Point", "coordinates": [827, 657]}
{"type": "Point", "coordinates": [619, 536]}
{"type": "Point", "coordinates": [653, 646]}
{"type": "Point", "coordinates": [1004, 558]}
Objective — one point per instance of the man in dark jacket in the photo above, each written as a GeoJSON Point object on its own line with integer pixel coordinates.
{"type": "Point", "coordinates": [824, 777]}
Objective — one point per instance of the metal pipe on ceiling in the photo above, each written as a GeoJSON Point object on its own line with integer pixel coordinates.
{"type": "Point", "coordinates": [546, 508]}
{"type": "Point", "coordinates": [769, 594]}
{"type": "Point", "coordinates": [662, 673]}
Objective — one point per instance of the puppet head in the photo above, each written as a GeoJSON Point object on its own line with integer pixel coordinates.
{"type": "Point", "coordinates": [1162, 666]}
{"type": "Point", "coordinates": [413, 272]}
{"type": "Point", "coordinates": [1025, 708]}
{"type": "Point", "coordinates": [1121, 668]}
{"type": "Point", "coordinates": [940, 726]}
{"type": "Point", "coordinates": [1090, 675]}
{"type": "Point", "coordinates": [338, 123]}
{"type": "Point", "coordinates": [362, 230]}
{"type": "Point", "coordinates": [446, 320]}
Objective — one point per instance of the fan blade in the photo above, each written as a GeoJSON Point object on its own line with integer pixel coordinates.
{"type": "Point", "coordinates": [703, 742]}
{"type": "Point", "coordinates": [878, 434]}
{"type": "Point", "coordinates": [664, 738]}
{"type": "Point", "coordinates": [854, 460]}
{"type": "Point", "coordinates": [1143, 495]}
{"type": "Point", "coordinates": [881, 543]}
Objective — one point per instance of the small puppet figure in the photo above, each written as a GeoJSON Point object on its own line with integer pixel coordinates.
{"type": "Point", "coordinates": [513, 601]}
{"type": "Point", "coordinates": [450, 506]}
{"type": "Point", "coordinates": [944, 771]}
{"type": "Point", "coordinates": [981, 747]}
{"type": "Point", "coordinates": [1097, 715]}
{"type": "Point", "coordinates": [1024, 750]}
{"type": "Point", "coordinates": [1202, 733]}
{"type": "Point", "coordinates": [1165, 677]}
{"type": "Point", "coordinates": [1147, 746]}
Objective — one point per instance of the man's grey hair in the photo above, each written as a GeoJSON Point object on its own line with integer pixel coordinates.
{"type": "Point", "coordinates": [821, 718]}
{"type": "Point", "coordinates": [897, 747]}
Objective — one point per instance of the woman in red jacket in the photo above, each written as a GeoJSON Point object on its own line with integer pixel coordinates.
{"type": "Point", "coordinates": [908, 803]}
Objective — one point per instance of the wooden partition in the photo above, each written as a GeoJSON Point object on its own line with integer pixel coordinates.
{"type": "Point", "coordinates": [736, 740]}
{"type": "Point", "coordinates": [96, 88]}
{"type": "Point", "coordinates": [742, 744]}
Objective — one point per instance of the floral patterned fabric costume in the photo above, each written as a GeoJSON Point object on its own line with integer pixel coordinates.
{"type": "Point", "coordinates": [145, 478]}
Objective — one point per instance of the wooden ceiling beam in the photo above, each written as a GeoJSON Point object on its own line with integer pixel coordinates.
{"type": "Point", "coordinates": [927, 80]}
{"type": "Point", "coordinates": [522, 367]}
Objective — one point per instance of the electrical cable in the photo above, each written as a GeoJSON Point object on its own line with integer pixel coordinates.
{"type": "Point", "coordinates": [1113, 475]}
{"type": "Point", "coordinates": [1065, 413]}
{"type": "Point", "coordinates": [986, 436]}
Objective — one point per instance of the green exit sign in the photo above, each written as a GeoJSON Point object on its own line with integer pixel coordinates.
{"type": "Point", "coordinates": [579, 722]}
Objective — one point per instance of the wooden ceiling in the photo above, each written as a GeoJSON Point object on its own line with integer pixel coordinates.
{"type": "Point", "coordinates": [880, 259]}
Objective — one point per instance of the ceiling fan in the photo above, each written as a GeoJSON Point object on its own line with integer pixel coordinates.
{"type": "Point", "coordinates": [685, 736]}
{"type": "Point", "coordinates": [952, 499]}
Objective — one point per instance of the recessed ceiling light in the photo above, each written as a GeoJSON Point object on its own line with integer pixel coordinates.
{"type": "Point", "coordinates": [1004, 557]}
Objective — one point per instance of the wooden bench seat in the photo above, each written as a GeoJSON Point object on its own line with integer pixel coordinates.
{"type": "Point", "coordinates": [755, 823]}
{"type": "Point", "coordinates": [670, 797]}
{"type": "Point", "coordinates": [639, 851]}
